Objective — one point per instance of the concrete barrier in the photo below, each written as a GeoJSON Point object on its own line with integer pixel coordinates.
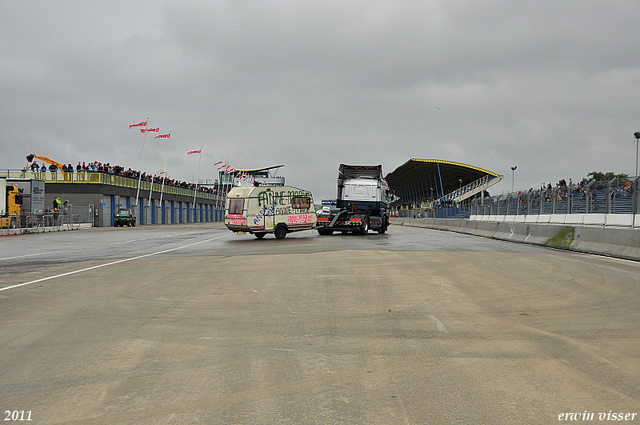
{"type": "Point", "coordinates": [595, 219]}
{"type": "Point", "coordinates": [624, 243]}
{"type": "Point", "coordinates": [624, 220]}
{"type": "Point", "coordinates": [618, 242]}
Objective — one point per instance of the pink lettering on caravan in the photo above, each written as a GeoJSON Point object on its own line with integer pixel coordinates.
{"type": "Point", "coordinates": [302, 218]}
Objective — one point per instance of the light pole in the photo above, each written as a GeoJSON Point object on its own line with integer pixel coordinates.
{"type": "Point", "coordinates": [513, 176]}
{"type": "Point", "coordinates": [637, 136]}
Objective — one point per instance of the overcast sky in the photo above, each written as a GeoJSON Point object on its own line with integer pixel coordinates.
{"type": "Point", "coordinates": [550, 86]}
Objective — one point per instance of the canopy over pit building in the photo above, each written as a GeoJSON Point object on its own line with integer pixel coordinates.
{"type": "Point", "coordinates": [427, 183]}
{"type": "Point", "coordinates": [249, 176]}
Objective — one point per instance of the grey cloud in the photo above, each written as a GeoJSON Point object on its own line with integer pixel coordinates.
{"type": "Point", "coordinates": [550, 86]}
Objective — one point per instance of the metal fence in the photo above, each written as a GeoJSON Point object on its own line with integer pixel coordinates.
{"type": "Point", "coordinates": [438, 212]}
{"type": "Point", "coordinates": [72, 218]}
{"type": "Point", "coordinates": [616, 196]}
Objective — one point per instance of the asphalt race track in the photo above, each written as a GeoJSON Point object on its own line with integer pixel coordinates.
{"type": "Point", "coordinates": [192, 324]}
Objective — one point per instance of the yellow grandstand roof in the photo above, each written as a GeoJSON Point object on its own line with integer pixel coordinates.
{"type": "Point", "coordinates": [429, 177]}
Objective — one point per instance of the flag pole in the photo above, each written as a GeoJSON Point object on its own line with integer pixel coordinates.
{"type": "Point", "coordinates": [225, 173]}
{"type": "Point", "coordinates": [165, 171]}
{"type": "Point", "coordinates": [196, 188]}
{"type": "Point", "coordinates": [217, 195]}
{"type": "Point", "coordinates": [221, 197]}
{"type": "Point", "coordinates": [219, 189]}
{"type": "Point", "coordinates": [140, 171]}
{"type": "Point", "coordinates": [154, 168]}
{"type": "Point", "coordinates": [215, 191]}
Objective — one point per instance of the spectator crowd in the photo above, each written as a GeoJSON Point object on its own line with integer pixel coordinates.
{"type": "Point", "coordinates": [99, 167]}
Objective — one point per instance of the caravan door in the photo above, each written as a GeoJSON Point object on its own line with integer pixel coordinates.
{"type": "Point", "coordinates": [269, 215]}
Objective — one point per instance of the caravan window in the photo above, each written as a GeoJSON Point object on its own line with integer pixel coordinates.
{"type": "Point", "coordinates": [300, 203]}
{"type": "Point", "coordinates": [236, 206]}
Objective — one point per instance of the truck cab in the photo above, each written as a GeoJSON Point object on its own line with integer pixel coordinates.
{"type": "Point", "coordinates": [363, 200]}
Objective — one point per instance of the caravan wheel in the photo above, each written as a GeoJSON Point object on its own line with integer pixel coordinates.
{"type": "Point", "coordinates": [281, 232]}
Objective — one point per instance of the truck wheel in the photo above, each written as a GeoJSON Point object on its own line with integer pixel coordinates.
{"type": "Point", "coordinates": [259, 235]}
{"type": "Point", "coordinates": [383, 228]}
{"type": "Point", "coordinates": [365, 226]}
{"type": "Point", "coordinates": [13, 223]}
{"type": "Point", "coordinates": [281, 232]}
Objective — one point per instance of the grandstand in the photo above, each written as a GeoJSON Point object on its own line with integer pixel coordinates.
{"type": "Point", "coordinates": [430, 183]}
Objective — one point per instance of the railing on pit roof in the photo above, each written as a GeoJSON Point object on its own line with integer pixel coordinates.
{"type": "Point", "coordinates": [99, 177]}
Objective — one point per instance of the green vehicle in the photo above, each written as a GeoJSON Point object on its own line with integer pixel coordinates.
{"type": "Point", "coordinates": [124, 217]}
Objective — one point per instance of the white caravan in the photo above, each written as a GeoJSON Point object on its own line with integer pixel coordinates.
{"type": "Point", "coordinates": [269, 209]}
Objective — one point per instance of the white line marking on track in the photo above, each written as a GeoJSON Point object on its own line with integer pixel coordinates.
{"type": "Point", "coordinates": [439, 325]}
{"type": "Point", "coordinates": [108, 264]}
{"type": "Point", "coordinates": [28, 255]}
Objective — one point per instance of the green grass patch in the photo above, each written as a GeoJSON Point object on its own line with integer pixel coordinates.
{"type": "Point", "coordinates": [563, 238]}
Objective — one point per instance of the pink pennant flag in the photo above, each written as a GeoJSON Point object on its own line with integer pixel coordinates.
{"type": "Point", "coordinates": [163, 136]}
{"type": "Point", "coordinates": [228, 171]}
{"type": "Point", "coordinates": [149, 130]}
{"type": "Point", "coordinates": [140, 124]}
{"type": "Point", "coordinates": [219, 162]}
{"type": "Point", "coordinates": [198, 151]}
